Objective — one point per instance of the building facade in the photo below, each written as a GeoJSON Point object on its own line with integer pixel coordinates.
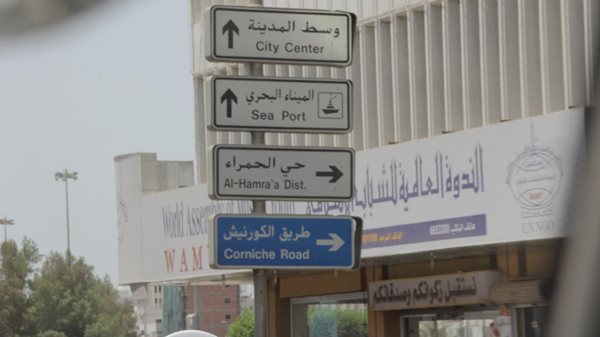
{"type": "Point", "coordinates": [469, 127]}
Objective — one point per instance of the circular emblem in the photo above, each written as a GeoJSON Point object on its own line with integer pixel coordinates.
{"type": "Point", "coordinates": [535, 177]}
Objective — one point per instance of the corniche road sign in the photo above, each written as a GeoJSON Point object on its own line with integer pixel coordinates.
{"type": "Point", "coordinates": [281, 173]}
{"type": "Point", "coordinates": [284, 242]}
{"type": "Point", "coordinates": [280, 35]}
{"type": "Point", "coordinates": [281, 104]}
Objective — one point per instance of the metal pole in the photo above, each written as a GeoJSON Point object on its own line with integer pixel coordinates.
{"type": "Point", "coordinates": [65, 176]}
{"type": "Point", "coordinates": [259, 207]}
{"type": "Point", "coordinates": [6, 221]}
{"type": "Point", "coordinates": [260, 275]}
{"type": "Point", "coordinates": [68, 231]}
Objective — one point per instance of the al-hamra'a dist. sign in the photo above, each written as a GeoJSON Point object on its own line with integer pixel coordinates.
{"type": "Point", "coordinates": [281, 104]}
{"type": "Point", "coordinates": [280, 35]}
{"type": "Point", "coordinates": [281, 173]}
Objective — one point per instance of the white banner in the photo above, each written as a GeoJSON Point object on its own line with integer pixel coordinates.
{"type": "Point", "coordinates": [502, 183]}
{"type": "Point", "coordinates": [175, 236]}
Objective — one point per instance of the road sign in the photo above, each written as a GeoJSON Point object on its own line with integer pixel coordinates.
{"type": "Point", "coordinates": [285, 105]}
{"type": "Point", "coordinates": [259, 34]}
{"type": "Point", "coordinates": [281, 173]}
{"type": "Point", "coordinates": [284, 242]}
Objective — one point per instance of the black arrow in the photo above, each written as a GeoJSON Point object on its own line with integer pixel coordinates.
{"type": "Point", "coordinates": [229, 96]}
{"type": "Point", "coordinates": [230, 27]}
{"type": "Point", "coordinates": [335, 174]}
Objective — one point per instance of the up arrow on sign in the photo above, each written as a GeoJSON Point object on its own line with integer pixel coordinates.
{"type": "Point", "coordinates": [229, 96]}
{"type": "Point", "coordinates": [230, 28]}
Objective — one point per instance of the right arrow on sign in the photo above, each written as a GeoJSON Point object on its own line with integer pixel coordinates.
{"type": "Point", "coordinates": [230, 28]}
{"type": "Point", "coordinates": [335, 174]}
{"type": "Point", "coordinates": [335, 242]}
{"type": "Point", "coordinates": [229, 96]}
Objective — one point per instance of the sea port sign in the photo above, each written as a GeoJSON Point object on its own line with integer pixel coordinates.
{"type": "Point", "coordinates": [281, 104]}
{"type": "Point", "coordinates": [281, 173]}
{"type": "Point", "coordinates": [284, 242]}
{"type": "Point", "coordinates": [248, 34]}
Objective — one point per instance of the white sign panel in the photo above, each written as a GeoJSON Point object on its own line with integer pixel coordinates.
{"type": "Point", "coordinates": [247, 34]}
{"type": "Point", "coordinates": [280, 173]}
{"type": "Point", "coordinates": [434, 291]}
{"type": "Point", "coordinates": [279, 104]}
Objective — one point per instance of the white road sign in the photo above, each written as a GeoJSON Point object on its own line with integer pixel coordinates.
{"type": "Point", "coordinates": [280, 35]}
{"type": "Point", "coordinates": [284, 105]}
{"type": "Point", "coordinates": [281, 173]}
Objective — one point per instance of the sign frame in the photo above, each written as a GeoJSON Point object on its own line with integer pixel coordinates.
{"type": "Point", "coordinates": [356, 224]}
{"type": "Point", "coordinates": [215, 56]}
{"type": "Point", "coordinates": [213, 182]}
{"type": "Point", "coordinates": [347, 105]}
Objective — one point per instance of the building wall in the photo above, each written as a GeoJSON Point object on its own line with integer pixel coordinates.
{"type": "Point", "coordinates": [422, 68]}
{"type": "Point", "coordinates": [147, 302]}
{"type": "Point", "coordinates": [138, 174]}
{"type": "Point", "coordinates": [215, 306]}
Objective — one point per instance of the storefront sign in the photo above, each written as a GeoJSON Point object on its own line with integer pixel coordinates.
{"type": "Point", "coordinates": [505, 182]}
{"type": "Point", "coordinates": [430, 292]}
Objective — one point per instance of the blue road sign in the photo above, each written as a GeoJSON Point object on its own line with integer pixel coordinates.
{"type": "Point", "coordinates": [284, 242]}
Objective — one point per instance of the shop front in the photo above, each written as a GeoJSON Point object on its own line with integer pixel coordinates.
{"type": "Point", "coordinates": [492, 291]}
{"type": "Point", "coordinates": [446, 305]}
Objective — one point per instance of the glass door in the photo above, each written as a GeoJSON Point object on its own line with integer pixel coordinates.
{"type": "Point", "coordinates": [343, 315]}
{"type": "Point", "coordinates": [463, 324]}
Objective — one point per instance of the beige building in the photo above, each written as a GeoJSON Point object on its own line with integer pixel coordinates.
{"type": "Point", "coordinates": [469, 128]}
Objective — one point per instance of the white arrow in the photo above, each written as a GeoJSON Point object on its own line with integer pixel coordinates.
{"type": "Point", "coordinates": [336, 242]}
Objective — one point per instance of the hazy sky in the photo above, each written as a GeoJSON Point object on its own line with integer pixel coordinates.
{"type": "Point", "coordinates": [110, 81]}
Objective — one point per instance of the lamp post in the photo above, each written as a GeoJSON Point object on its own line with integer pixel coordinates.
{"type": "Point", "coordinates": [65, 176]}
{"type": "Point", "coordinates": [6, 221]}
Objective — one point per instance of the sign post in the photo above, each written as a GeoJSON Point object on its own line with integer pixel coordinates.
{"type": "Point", "coordinates": [259, 173]}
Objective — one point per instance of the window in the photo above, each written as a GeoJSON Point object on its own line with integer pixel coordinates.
{"type": "Point", "coordinates": [336, 315]}
{"type": "Point", "coordinates": [227, 300]}
{"type": "Point", "coordinates": [447, 322]}
{"type": "Point", "coordinates": [227, 316]}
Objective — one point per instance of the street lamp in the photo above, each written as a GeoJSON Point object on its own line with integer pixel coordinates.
{"type": "Point", "coordinates": [6, 221]}
{"type": "Point", "coordinates": [65, 176]}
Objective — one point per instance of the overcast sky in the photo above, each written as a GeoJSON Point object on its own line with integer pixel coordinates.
{"type": "Point", "coordinates": [110, 81]}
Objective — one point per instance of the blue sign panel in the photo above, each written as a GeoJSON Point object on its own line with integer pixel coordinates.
{"type": "Point", "coordinates": [285, 242]}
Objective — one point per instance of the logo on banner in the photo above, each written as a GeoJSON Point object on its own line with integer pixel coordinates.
{"type": "Point", "coordinates": [123, 216]}
{"type": "Point", "coordinates": [534, 179]}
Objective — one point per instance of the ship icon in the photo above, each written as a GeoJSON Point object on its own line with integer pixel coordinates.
{"type": "Point", "coordinates": [330, 108]}
{"type": "Point", "coordinates": [330, 105]}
